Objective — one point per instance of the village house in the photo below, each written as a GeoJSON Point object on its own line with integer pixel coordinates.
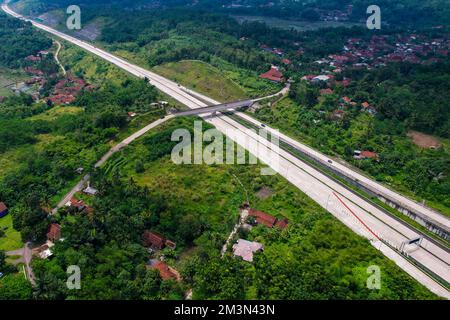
{"type": "Point", "coordinates": [267, 219]}
{"type": "Point", "coordinates": [308, 77]}
{"type": "Point", "coordinates": [245, 249]}
{"type": "Point", "coordinates": [90, 190]}
{"type": "Point", "coordinates": [44, 251]}
{"type": "Point", "coordinates": [54, 232]}
{"type": "Point", "coordinates": [321, 78]}
{"type": "Point", "coordinates": [325, 91]}
{"type": "Point", "coordinates": [75, 203]}
{"type": "Point", "coordinates": [34, 71]}
{"type": "Point", "coordinates": [337, 115]}
{"type": "Point", "coordinates": [156, 241]}
{"type": "Point", "coordinates": [348, 101]}
{"type": "Point", "coordinates": [273, 75]}
{"type": "Point", "coordinates": [33, 58]}
{"type": "Point", "coordinates": [3, 209]}
{"type": "Point", "coordinates": [365, 106]}
{"type": "Point", "coordinates": [365, 155]}
{"type": "Point", "coordinates": [165, 271]}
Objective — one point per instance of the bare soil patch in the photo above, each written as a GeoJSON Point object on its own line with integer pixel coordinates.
{"type": "Point", "coordinates": [424, 140]}
{"type": "Point", "coordinates": [264, 193]}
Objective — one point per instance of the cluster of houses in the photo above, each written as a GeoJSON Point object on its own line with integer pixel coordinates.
{"type": "Point", "coordinates": [344, 102]}
{"type": "Point", "coordinates": [155, 241]}
{"type": "Point", "coordinates": [54, 234]}
{"type": "Point", "coordinates": [79, 205]}
{"type": "Point", "coordinates": [246, 249]}
{"type": "Point", "coordinates": [335, 15]}
{"type": "Point", "coordinates": [67, 89]}
{"type": "Point", "coordinates": [276, 51]}
{"type": "Point", "coordinates": [383, 49]}
{"type": "Point", "coordinates": [38, 57]}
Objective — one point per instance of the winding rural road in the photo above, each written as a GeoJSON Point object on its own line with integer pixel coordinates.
{"type": "Point", "coordinates": [57, 58]}
{"type": "Point", "coordinates": [427, 263]}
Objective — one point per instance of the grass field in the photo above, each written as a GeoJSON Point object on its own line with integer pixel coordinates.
{"type": "Point", "coordinates": [12, 239]}
{"type": "Point", "coordinates": [219, 79]}
{"type": "Point", "coordinates": [7, 77]}
{"type": "Point", "coordinates": [56, 112]}
{"type": "Point", "coordinates": [203, 77]}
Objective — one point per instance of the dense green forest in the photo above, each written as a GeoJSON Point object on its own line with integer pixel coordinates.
{"type": "Point", "coordinates": [19, 40]}
{"type": "Point", "coordinates": [399, 12]}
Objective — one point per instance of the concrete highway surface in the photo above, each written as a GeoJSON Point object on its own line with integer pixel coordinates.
{"type": "Point", "coordinates": [385, 233]}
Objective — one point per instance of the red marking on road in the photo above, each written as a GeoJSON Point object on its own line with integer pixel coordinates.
{"type": "Point", "coordinates": [354, 214]}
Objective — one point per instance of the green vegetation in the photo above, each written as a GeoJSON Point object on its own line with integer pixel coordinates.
{"type": "Point", "coordinates": [15, 287]}
{"type": "Point", "coordinates": [409, 98]}
{"type": "Point", "coordinates": [196, 206]}
{"type": "Point", "coordinates": [57, 112]}
{"type": "Point", "coordinates": [18, 41]}
{"type": "Point", "coordinates": [9, 77]}
{"type": "Point", "coordinates": [9, 238]}
{"type": "Point", "coordinates": [202, 77]}
{"type": "Point", "coordinates": [140, 188]}
{"type": "Point", "coordinates": [83, 138]}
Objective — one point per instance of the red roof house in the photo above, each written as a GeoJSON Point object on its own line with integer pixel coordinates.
{"type": "Point", "coordinates": [79, 204]}
{"type": "Point", "coordinates": [263, 218]}
{"type": "Point", "coordinates": [165, 271]}
{"type": "Point", "coordinates": [273, 75]}
{"type": "Point", "coordinates": [54, 232]}
{"type": "Point", "coordinates": [368, 154]}
{"type": "Point", "coordinates": [153, 240]}
{"type": "Point", "coordinates": [3, 210]}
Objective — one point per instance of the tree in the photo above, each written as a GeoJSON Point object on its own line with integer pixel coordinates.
{"type": "Point", "coordinates": [15, 287]}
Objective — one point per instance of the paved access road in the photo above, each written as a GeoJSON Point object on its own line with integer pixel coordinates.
{"type": "Point", "coordinates": [317, 186]}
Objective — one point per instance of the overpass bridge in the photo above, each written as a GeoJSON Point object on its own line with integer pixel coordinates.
{"type": "Point", "coordinates": [215, 108]}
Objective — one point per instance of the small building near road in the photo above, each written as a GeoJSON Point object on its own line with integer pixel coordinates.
{"type": "Point", "coordinates": [365, 155]}
{"type": "Point", "coordinates": [75, 203]}
{"type": "Point", "coordinates": [90, 191]}
{"type": "Point", "coordinates": [245, 249]}
{"type": "Point", "coordinates": [3, 209]}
